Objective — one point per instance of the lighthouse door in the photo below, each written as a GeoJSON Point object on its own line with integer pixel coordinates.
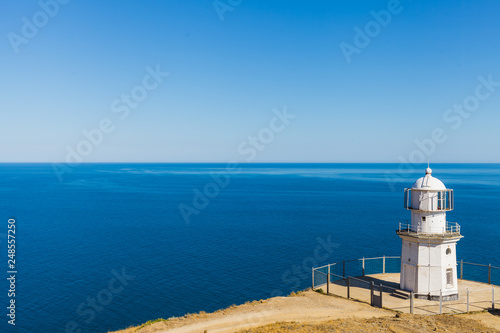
{"type": "Point", "coordinates": [409, 277]}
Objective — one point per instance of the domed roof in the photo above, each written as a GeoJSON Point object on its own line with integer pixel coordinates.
{"type": "Point", "coordinates": [428, 182]}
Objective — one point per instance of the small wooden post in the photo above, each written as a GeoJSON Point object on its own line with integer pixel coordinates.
{"type": "Point", "coordinates": [328, 281]}
{"type": "Point", "coordinates": [411, 302]}
{"type": "Point", "coordinates": [440, 301]}
{"type": "Point", "coordinates": [467, 299]}
{"type": "Point", "coordinates": [461, 269]}
{"type": "Point", "coordinates": [348, 287]}
{"type": "Point", "coordinates": [493, 298]}
{"type": "Point", "coordinates": [343, 268]}
{"type": "Point", "coordinates": [313, 279]}
{"type": "Point", "coordinates": [381, 291]}
{"type": "Point", "coordinates": [363, 265]}
{"type": "Point", "coordinates": [371, 293]}
{"type": "Point", "coordinates": [489, 273]}
{"type": "Point", "coordinates": [383, 264]}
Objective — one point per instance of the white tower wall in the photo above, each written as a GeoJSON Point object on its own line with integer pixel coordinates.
{"type": "Point", "coordinates": [428, 222]}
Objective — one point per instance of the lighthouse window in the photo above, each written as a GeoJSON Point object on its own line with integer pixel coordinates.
{"type": "Point", "coordinates": [423, 218]}
{"type": "Point", "coordinates": [449, 278]}
{"type": "Point", "coordinates": [448, 251]}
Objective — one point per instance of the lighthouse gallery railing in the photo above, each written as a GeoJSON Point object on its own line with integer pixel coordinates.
{"type": "Point", "coordinates": [451, 229]}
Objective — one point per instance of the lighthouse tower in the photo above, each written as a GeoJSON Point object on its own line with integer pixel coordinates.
{"type": "Point", "coordinates": [428, 254]}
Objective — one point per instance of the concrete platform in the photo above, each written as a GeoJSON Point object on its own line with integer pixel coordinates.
{"type": "Point", "coordinates": [480, 295]}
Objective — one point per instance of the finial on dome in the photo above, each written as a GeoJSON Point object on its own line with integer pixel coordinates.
{"type": "Point", "coordinates": [428, 171]}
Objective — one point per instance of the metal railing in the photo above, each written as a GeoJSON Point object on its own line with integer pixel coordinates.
{"type": "Point", "coordinates": [364, 266]}
{"type": "Point", "coordinates": [351, 279]}
{"type": "Point", "coordinates": [481, 273]}
{"type": "Point", "coordinates": [451, 229]}
{"type": "Point", "coordinates": [357, 267]}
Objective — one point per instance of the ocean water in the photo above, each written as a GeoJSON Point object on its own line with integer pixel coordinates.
{"type": "Point", "coordinates": [256, 237]}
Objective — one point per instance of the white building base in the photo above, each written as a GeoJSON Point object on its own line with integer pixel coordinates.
{"type": "Point", "coordinates": [451, 297]}
{"type": "Point", "coordinates": [429, 266]}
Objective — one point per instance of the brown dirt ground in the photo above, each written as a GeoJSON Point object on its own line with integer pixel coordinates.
{"type": "Point", "coordinates": [313, 312]}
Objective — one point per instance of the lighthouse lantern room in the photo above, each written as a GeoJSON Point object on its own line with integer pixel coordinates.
{"type": "Point", "coordinates": [428, 254]}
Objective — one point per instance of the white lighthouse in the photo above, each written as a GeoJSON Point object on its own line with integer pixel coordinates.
{"type": "Point", "coordinates": [428, 254]}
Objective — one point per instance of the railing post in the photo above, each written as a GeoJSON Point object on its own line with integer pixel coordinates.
{"type": "Point", "coordinates": [489, 273]}
{"type": "Point", "coordinates": [328, 281]}
{"type": "Point", "coordinates": [467, 299]}
{"type": "Point", "coordinates": [363, 265]}
{"type": "Point", "coordinates": [383, 264]}
{"type": "Point", "coordinates": [348, 287]}
{"type": "Point", "coordinates": [440, 301]}
{"type": "Point", "coordinates": [381, 291]}
{"type": "Point", "coordinates": [343, 268]}
{"type": "Point", "coordinates": [313, 278]}
{"type": "Point", "coordinates": [493, 298]}
{"type": "Point", "coordinates": [461, 269]}
{"type": "Point", "coordinates": [411, 302]}
{"type": "Point", "coordinates": [371, 293]}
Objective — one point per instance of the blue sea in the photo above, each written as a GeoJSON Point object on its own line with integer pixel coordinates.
{"type": "Point", "coordinates": [108, 246]}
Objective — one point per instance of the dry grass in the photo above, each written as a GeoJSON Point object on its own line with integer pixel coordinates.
{"type": "Point", "coordinates": [295, 294]}
{"type": "Point", "coordinates": [401, 323]}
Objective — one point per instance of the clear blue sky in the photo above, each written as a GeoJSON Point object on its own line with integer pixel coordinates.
{"type": "Point", "coordinates": [226, 77]}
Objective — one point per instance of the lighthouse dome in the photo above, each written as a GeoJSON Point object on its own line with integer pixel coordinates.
{"type": "Point", "coordinates": [428, 182]}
